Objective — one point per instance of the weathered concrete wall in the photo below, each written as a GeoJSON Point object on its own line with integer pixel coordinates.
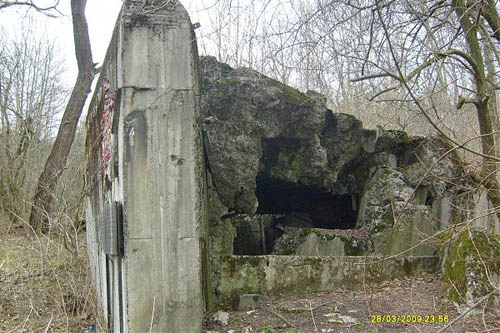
{"type": "Point", "coordinates": [277, 275]}
{"type": "Point", "coordinates": [145, 153]}
{"type": "Point", "coordinates": [482, 213]}
{"type": "Point", "coordinates": [472, 270]}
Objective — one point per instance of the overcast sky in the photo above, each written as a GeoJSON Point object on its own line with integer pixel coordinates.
{"type": "Point", "coordinates": [101, 17]}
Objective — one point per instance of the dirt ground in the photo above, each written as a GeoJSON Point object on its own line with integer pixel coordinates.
{"type": "Point", "coordinates": [44, 287]}
{"type": "Point", "coordinates": [414, 304]}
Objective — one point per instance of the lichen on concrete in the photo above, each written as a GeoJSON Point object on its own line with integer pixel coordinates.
{"type": "Point", "coordinates": [285, 275]}
{"type": "Point", "coordinates": [321, 242]}
{"type": "Point", "coordinates": [472, 268]}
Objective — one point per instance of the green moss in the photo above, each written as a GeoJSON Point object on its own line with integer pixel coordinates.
{"type": "Point", "coordinates": [295, 96]}
{"type": "Point", "coordinates": [290, 94]}
{"type": "Point", "coordinates": [467, 259]}
{"type": "Point", "coordinates": [361, 174]}
{"type": "Point", "coordinates": [288, 249]}
{"type": "Point", "coordinates": [236, 264]}
{"type": "Point", "coordinates": [243, 275]}
{"type": "Point", "coordinates": [353, 246]}
{"type": "Point", "coordinates": [324, 236]}
{"type": "Point", "coordinates": [228, 81]}
{"type": "Point", "coordinates": [285, 158]}
{"type": "Point", "coordinates": [308, 231]}
{"type": "Point", "coordinates": [386, 221]}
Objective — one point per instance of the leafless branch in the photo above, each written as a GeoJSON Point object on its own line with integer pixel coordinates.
{"type": "Point", "coordinates": [47, 10]}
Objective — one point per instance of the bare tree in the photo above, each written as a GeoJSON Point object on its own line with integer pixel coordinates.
{"type": "Point", "coordinates": [435, 63]}
{"type": "Point", "coordinates": [31, 97]}
{"type": "Point", "coordinates": [412, 52]}
{"type": "Point", "coordinates": [57, 159]}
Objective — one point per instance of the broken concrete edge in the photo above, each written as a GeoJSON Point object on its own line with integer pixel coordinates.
{"type": "Point", "coordinates": [96, 186]}
{"type": "Point", "coordinates": [274, 275]}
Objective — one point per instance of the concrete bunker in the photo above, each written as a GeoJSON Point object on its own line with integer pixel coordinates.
{"type": "Point", "coordinates": [285, 205]}
{"type": "Point", "coordinates": [310, 188]}
{"type": "Point", "coordinates": [310, 198]}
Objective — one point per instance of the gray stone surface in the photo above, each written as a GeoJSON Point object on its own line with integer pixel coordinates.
{"type": "Point", "coordinates": [395, 218]}
{"type": "Point", "coordinates": [286, 275]}
{"type": "Point", "coordinates": [311, 247]}
{"type": "Point", "coordinates": [162, 170]}
{"type": "Point", "coordinates": [156, 171]}
{"type": "Point", "coordinates": [321, 242]}
{"type": "Point", "coordinates": [221, 317]}
{"type": "Point", "coordinates": [483, 213]}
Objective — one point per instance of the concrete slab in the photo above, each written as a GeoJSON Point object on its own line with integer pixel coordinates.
{"type": "Point", "coordinates": [286, 275]}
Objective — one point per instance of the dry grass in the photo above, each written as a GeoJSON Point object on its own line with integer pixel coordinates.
{"type": "Point", "coordinates": [44, 286]}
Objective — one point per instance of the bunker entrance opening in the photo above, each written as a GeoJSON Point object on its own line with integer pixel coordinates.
{"type": "Point", "coordinates": [285, 205]}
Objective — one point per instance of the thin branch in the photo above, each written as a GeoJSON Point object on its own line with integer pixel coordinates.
{"type": "Point", "coordinates": [312, 316]}
{"type": "Point", "coordinates": [467, 311]}
{"type": "Point", "coordinates": [466, 57]}
{"type": "Point", "coordinates": [375, 76]}
{"type": "Point", "coordinates": [412, 95]}
{"type": "Point", "coordinates": [420, 68]}
{"type": "Point", "coordinates": [277, 315]}
{"type": "Point", "coordinates": [463, 100]}
{"type": "Point", "coordinates": [382, 92]}
{"type": "Point", "coordinates": [44, 10]}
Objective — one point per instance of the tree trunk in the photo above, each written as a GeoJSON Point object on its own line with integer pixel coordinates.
{"type": "Point", "coordinates": [484, 107]}
{"type": "Point", "coordinates": [56, 161]}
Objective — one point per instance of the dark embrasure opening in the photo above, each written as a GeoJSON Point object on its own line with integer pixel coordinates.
{"type": "Point", "coordinates": [284, 204]}
{"type": "Point", "coordinates": [306, 206]}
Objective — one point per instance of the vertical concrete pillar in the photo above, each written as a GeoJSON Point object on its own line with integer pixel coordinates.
{"type": "Point", "coordinates": [154, 282]}
{"type": "Point", "coordinates": [161, 168]}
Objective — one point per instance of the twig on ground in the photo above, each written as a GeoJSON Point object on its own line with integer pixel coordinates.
{"type": "Point", "coordinates": [483, 316]}
{"type": "Point", "coordinates": [321, 305]}
{"type": "Point", "coordinates": [468, 310]}
{"type": "Point", "coordinates": [27, 318]}
{"type": "Point", "coordinates": [152, 315]}
{"type": "Point", "coordinates": [312, 316]}
{"type": "Point", "coordinates": [278, 315]}
{"type": "Point", "coordinates": [48, 325]}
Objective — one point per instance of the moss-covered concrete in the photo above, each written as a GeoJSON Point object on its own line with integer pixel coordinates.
{"type": "Point", "coordinates": [218, 245]}
{"type": "Point", "coordinates": [472, 268]}
{"type": "Point", "coordinates": [321, 242]}
{"type": "Point", "coordinates": [280, 275]}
